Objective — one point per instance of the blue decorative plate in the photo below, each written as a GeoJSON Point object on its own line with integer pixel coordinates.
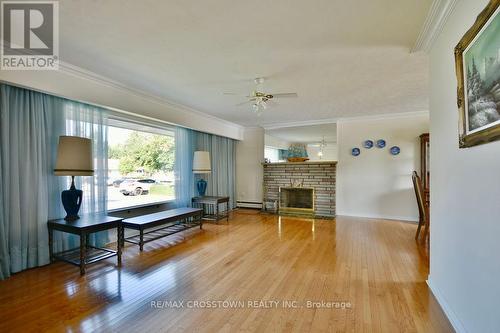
{"type": "Point", "coordinates": [355, 151]}
{"type": "Point", "coordinates": [395, 150]}
{"type": "Point", "coordinates": [381, 143]}
{"type": "Point", "coordinates": [368, 144]}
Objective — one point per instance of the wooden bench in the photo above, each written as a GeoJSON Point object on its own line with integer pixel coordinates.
{"type": "Point", "coordinates": [173, 221]}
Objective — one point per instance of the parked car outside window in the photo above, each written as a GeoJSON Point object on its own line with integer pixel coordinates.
{"type": "Point", "coordinates": [136, 186]}
{"type": "Point", "coordinates": [117, 182]}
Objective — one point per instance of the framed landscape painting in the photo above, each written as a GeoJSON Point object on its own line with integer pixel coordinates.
{"type": "Point", "coordinates": [477, 58]}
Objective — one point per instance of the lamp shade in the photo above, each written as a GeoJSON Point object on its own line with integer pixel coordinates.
{"type": "Point", "coordinates": [201, 162]}
{"type": "Point", "coordinates": [74, 157]}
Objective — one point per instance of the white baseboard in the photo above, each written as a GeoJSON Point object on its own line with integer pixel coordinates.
{"type": "Point", "coordinates": [382, 217]}
{"type": "Point", "coordinates": [452, 316]}
{"type": "Point", "coordinates": [249, 204]}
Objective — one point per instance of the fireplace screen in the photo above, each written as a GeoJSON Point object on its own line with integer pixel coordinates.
{"type": "Point", "coordinates": [296, 200]}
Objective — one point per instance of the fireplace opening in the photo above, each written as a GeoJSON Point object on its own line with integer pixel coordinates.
{"type": "Point", "coordinates": [296, 200]}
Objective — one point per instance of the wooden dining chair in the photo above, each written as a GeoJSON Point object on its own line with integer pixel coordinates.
{"type": "Point", "coordinates": [419, 193]}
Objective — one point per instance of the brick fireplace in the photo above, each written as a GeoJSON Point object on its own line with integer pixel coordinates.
{"type": "Point", "coordinates": [290, 184]}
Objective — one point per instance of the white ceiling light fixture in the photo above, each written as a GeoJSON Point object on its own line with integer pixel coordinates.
{"type": "Point", "coordinates": [260, 99]}
{"type": "Point", "coordinates": [259, 106]}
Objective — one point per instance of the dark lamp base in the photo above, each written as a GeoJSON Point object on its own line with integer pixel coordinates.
{"type": "Point", "coordinates": [201, 186]}
{"type": "Point", "coordinates": [72, 200]}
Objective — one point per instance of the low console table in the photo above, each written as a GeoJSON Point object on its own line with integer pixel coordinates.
{"type": "Point", "coordinates": [173, 221]}
{"type": "Point", "coordinates": [85, 225]}
{"type": "Point", "coordinates": [210, 206]}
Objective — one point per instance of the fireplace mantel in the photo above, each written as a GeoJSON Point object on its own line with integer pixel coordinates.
{"type": "Point", "coordinates": [301, 163]}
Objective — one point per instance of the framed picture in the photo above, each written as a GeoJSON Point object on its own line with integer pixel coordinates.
{"type": "Point", "coordinates": [477, 60]}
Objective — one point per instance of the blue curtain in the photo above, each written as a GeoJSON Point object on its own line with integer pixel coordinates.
{"type": "Point", "coordinates": [183, 169]}
{"type": "Point", "coordinates": [222, 180]}
{"type": "Point", "coordinates": [91, 122]}
{"type": "Point", "coordinates": [30, 126]}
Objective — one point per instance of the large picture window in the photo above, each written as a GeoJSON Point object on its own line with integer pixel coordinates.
{"type": "Point", "coordinates": [140, 165]}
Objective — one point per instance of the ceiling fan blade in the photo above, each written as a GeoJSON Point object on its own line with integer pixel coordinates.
{"type": "Point", "coordinates": [282, 95]}
{"type": "Point", "coordinates": [234, 94]}
{"type": "Point", "coordinates": [245, 102]}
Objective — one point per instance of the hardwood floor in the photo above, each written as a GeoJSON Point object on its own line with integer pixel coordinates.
{"type": "Point", "coordinates": [374, 266]}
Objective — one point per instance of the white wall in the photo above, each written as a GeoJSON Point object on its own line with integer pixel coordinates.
{"type": "Point", "coordinates": [376, 183]}
{"type": "Point", "coordinates": [249, 170]}
{"type": "Point", "coordinates": [274, 142]}
{"type": "Point", "coordinates": [77, 84]}
{"type": "Point", "coordinates": [329, 152]}
{"type": "Point", "coordinates": [465, 197]}
{"type": "Point", "coordinates": [272, 154]}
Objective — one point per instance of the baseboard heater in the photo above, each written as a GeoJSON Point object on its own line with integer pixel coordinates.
{"type": "Point", "coordinates": [249, 204]}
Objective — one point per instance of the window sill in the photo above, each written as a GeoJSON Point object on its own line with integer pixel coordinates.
{"type": "Point", "coordinates": [152, 204]}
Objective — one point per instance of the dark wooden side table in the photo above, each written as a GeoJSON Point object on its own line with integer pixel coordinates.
{"type": "Point", "coordinates": [85, 225]}
{"type": "Point", "coordinates": [210, 206]}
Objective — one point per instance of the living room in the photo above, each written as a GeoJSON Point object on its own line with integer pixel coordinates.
{"type": "Point", "coordinates": [263, 166]}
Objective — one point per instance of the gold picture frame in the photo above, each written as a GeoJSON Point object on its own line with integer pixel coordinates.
{"type": "Point", "coordinates": [476, 94]}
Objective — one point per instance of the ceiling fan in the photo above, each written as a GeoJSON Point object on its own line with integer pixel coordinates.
{"type": "Point", "coordinates": [259, 99]}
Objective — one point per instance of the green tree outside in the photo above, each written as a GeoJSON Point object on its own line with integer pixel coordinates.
{"type": "Point", "coordinates": [151, 152]}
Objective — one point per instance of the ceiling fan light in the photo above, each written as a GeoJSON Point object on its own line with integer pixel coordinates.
{"type": "Point", "coordinates": [259, 97]}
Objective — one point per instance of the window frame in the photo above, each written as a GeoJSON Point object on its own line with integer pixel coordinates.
{"type": "Point", "coordinates": [133, 123]}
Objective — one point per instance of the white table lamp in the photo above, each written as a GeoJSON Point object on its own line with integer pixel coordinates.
{"type": "Point", "coordinates": [201, 165]}
{"type": "Point", "coordinates": [74, 158]}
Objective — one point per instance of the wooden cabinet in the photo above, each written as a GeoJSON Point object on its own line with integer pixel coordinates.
{"type": "Point", "coordinates": [424, 165]}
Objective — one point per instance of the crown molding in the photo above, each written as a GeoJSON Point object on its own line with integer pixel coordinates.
{"type": "Point", "coordinates": [346, 119]}
{"type": "Point", "coordinates": [300, 123]}
{"type": "Point", "coordinates": [81, 73]}
{"type": "Point", "coordinates": [386, 116]}
{"type": "Point", "coordinates": [433, 25]}
{"type": "Point", "coordinates": [253, 128]}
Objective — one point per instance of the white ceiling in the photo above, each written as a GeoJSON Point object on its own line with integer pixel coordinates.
{"type": "Point", "coordinates": [343, 58]}
{"type": "Point", "coordinates": [305, 134]}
